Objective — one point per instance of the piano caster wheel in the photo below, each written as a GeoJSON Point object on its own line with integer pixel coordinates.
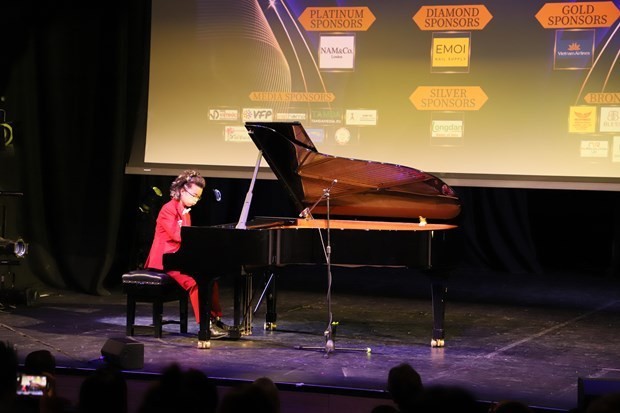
{"type": "Point", "coordinates": [204, 344]}
{"type": "Point", "coordinates": [269, 326]}
{"type": "Point", "coordinates": [437, 342]}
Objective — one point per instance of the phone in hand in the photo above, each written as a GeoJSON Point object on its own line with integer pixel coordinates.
{"type": "Point", "coordinates": [31, 384]}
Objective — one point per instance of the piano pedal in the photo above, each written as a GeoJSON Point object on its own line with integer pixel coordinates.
{"type": "Point", "coordinates": [204, 344]}
{"type": "Point", "coordinates": [269, 326]}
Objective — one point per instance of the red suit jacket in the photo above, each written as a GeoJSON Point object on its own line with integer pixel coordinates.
{"type": "Point", "coordinates": [167, 232]}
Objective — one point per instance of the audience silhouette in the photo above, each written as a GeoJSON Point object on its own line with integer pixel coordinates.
{"type": "Point", "coordinates": [410, 396]}
{"type": "Point", "coordinates": [271, 391]}
{"type": "Point", "coordinates": [40, 362]}
{"type": "Point", "coordinates": [447, 399]}
{"type": "Point", "coordinates": [183, 391]}
{"type": "Point", "coordinates": [250, 397]}
{"type": "Point", "coordinates": [8, 373]}
{"type": "Point", "coordinates": [384, 408]}
{"type": "Point", "coordinates": [104, 391]}
{"type": "Point", "coordinates": [43, 362]}
{"type": "Point", "coordinates": [609, 403]}
{"type": "Point", "coordinates": [192, 391]}
{"type": "Point", "coordinates": [510, 406]}
{"type": "Point", "coordinates": [405, 386]}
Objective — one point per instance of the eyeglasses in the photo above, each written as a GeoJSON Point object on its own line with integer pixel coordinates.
{"type": "Point", "coordinates": [196, 197]}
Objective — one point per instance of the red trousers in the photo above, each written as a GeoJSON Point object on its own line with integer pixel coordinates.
{"type": "Point", "coordinates": [189, 284]}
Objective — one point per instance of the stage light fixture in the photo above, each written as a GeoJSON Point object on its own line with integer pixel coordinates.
{"type": "Point", "coordinates": [17, 248]}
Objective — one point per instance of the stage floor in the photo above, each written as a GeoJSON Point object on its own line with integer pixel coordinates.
{"type": "Point", "coordinates": [526, 337]}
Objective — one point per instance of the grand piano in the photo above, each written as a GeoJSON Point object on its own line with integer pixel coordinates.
{"type": "Point", "coordinates": [371, 214]}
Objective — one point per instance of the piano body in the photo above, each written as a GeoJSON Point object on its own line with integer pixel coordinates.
{"type": "Point", "coordinates": [382, 213]}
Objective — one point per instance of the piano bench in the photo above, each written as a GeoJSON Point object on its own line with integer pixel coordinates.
{"type": "Point", "coordinates": [155, 287]}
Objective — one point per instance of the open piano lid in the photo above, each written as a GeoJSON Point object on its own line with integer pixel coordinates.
{"type": "Point", "coordinates": [363, 188]}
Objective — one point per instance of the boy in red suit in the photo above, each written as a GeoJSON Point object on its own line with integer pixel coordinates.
{"type": "Point", "coordinates": [185, 192]}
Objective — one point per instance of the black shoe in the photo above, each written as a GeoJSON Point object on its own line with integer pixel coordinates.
{"type": "Point", "coordinates": [217, 332]}
{"type": "Point", "coordinates": [220, 324]}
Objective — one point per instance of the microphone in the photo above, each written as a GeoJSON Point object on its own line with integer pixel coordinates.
{"type": "Point", "coordinates": [217, 195]}
{"type": "Point", "coordinates": [307, 212]}
{"type": "Point", "coordinates": [334, 182]}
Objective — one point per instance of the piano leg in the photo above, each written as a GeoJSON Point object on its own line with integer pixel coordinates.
{"type": "Point", "coordinates": [205, 287]}
{"type": "Point", "coordinates": [242, 312]}
{"type": "Point", "coordinates": [438, 297]}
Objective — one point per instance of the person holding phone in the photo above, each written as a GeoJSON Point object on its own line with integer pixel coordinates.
{"type": "Point", "coordinates": [185, 192]}
{"type": "Point", "coordinates": [36, 388]}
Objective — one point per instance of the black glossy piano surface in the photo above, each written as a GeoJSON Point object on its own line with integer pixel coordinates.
{"type": "Point", "coordinates": [298, 241]}
{"type": "Point", "coordinates": [400, 200]}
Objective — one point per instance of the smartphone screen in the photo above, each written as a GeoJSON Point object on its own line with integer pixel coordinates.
{"type": "Point", "coordinates": [31, 385]}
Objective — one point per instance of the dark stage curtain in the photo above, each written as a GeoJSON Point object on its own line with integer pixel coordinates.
{"type": "Point", "coordinates": [496, 230]}
{"type": "Point", "coordinates": [73, 87]}
{"type": "Point", "coordinates": [71, 91]}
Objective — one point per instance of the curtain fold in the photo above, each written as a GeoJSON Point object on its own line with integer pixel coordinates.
{"type": "Point", "coordinates": [496, 230]}
{"type": "Point", "coordinates": [69, 92]}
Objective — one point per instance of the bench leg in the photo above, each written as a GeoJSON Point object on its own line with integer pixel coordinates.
{"type": "Point", "coordinates": [183, 314]}
{"type": "Point", "coordinates": [131, 316]}
{"type": "Point", "coordinates": [158, 311]}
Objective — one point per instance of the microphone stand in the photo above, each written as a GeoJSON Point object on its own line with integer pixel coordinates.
{"type": "Point", "coordinates": [330, 332]}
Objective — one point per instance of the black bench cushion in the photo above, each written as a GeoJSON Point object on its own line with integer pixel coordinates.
{"type": "Point", "coordinates": [147, 277]}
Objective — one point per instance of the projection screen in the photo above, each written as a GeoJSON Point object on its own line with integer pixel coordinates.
{"type": "Point", "coordinates": [493, 93]}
